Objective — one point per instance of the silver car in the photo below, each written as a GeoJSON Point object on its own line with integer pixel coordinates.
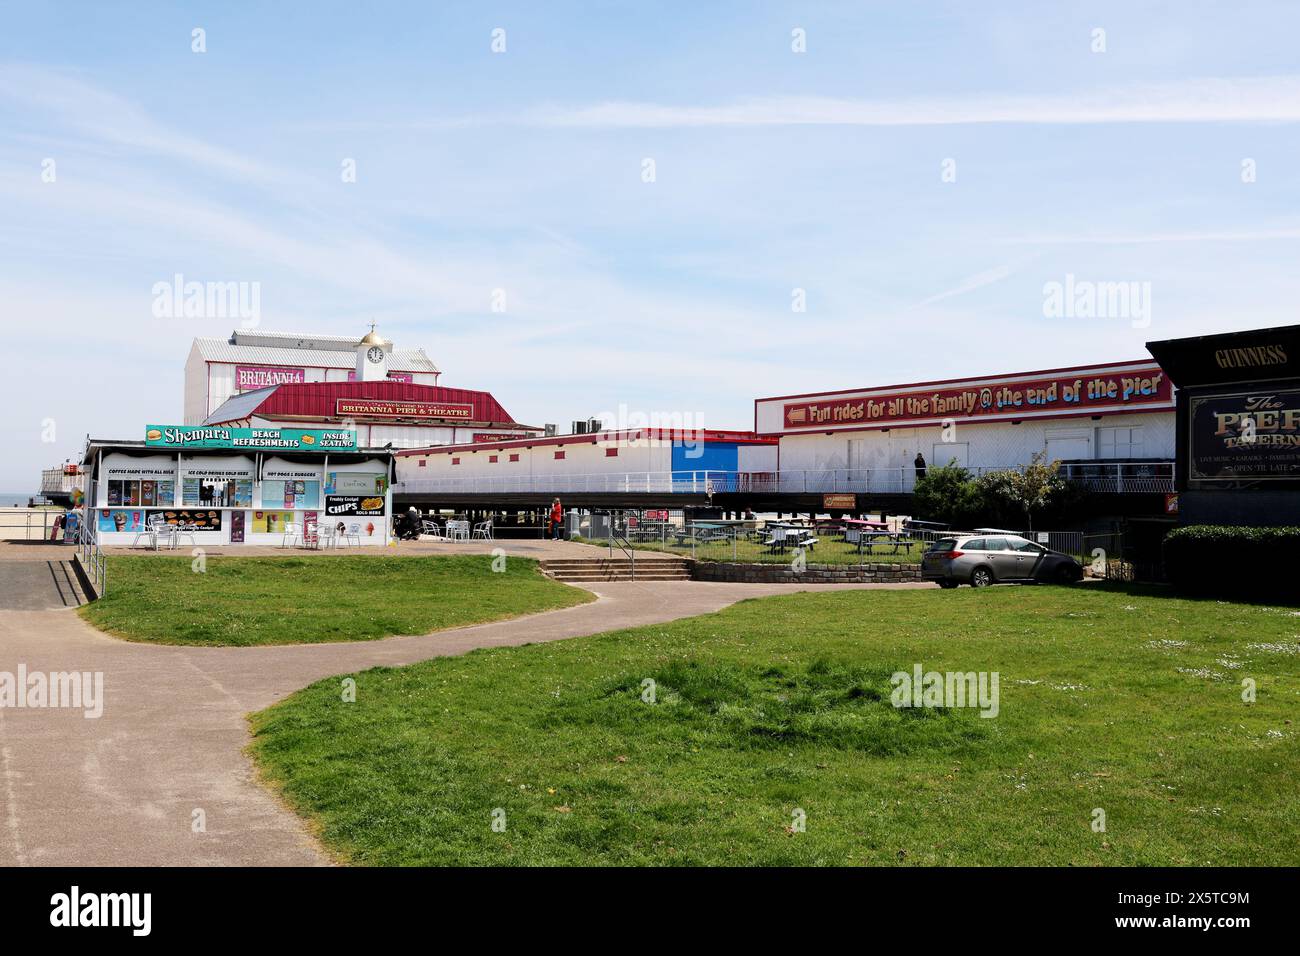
{"type": "Point", "coordinates": [983, 559]}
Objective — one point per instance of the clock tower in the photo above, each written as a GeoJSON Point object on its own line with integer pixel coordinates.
{"type": "Point", "coordinates": [372, 357]}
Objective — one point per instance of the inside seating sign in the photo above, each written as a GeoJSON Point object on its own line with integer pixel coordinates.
{"type": "Point", "coordinates": [1245, 436]}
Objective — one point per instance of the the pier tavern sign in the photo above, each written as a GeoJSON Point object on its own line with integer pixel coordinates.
{"type": "Point", "coordinates": [1238, 425]}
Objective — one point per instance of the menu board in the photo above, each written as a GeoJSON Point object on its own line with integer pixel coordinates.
{"type": "Point", "coordinates": [198, 518]}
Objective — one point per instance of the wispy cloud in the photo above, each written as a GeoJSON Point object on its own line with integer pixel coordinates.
{"type": "Point", "coordinates": [1150, 238]}
{"type": "Point", "coordinates": [54, 97]}
{"type": "Point", "coordinates": [1220, 100]}
{"type": "Point", "coordinates": [969, 284]}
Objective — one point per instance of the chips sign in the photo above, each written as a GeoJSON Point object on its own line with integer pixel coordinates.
{"type": "Point", "coordinates": [353, 505]}
{"type": "Point", "coordinates": [249, 439]}
{"type": "Point", "coordinates": [839, 502]}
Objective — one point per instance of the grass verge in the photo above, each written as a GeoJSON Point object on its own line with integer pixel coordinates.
{"type": "Point", "coordinates": [777, 710]}
{"type": "Point", "coordinates": [304, 600]}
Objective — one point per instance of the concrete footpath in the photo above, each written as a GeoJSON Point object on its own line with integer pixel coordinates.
{"type": "Point", "coordinates": [125, 789]}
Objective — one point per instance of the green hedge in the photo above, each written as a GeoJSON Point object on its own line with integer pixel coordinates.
{"type": "Point", "coordinates": [1220, 560]}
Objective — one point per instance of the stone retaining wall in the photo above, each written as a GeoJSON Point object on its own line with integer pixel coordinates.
{"type": "Point", "coordinates": [812, 574]}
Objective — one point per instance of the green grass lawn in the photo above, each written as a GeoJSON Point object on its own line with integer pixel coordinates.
{"type": "Point", "coordinates": [304, 600]}
{"type": "Point", "coordinates": [1125, 702]}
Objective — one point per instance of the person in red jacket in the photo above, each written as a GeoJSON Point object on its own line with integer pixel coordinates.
{"type": "Point", "coordinates": [557, 519]}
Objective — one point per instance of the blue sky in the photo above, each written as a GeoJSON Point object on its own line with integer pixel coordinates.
{"type": "Point", "coordinates": [522, 171]}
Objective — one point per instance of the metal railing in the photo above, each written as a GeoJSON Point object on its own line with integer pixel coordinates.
{"type": "Point", "coordinates": [1121, 477]}
{"type": "Point", "coordinates": [1102, 476]}
{"type": "Point", "coordinates": [35, 524]}
{"type": "Point", "coordinates": [92, 557]}
{"type": "Point", "coordinates": [55, 481]}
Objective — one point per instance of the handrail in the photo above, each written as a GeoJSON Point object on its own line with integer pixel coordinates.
{"type": "Point", "coordinates": [622, 540]}
{"type": "Point", "coordinates": [92, 557]}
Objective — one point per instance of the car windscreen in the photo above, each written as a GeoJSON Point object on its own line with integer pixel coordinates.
{"type": "Point", "coordinates": [944, 544]}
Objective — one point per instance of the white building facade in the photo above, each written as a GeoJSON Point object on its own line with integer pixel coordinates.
{"type": "Point", "coordinates": [1087, 417]}
{"type": "Point", "coordinates": [220, 369]}
{"type": "Point", "coordinates": [632, 460]}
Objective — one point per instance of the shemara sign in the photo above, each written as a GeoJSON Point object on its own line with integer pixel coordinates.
{"type": "Point", "coordinates": [249, 439]}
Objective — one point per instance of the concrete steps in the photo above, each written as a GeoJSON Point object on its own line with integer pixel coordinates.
{"type": "Point", "coordinates": [578, 570]}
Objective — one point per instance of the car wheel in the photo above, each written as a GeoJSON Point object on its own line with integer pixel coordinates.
{"type": "Point", "coordinates": [1065, 575]}
{"type": "Point", "coordinates": [947, 585]}
{"type": "Point", "coordinates": [981, 578]}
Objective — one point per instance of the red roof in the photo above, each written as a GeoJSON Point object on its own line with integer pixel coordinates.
{"type": "Point", "coordinates": [316, 400]}
{"type": "Point", "coordinates": [629, 435]}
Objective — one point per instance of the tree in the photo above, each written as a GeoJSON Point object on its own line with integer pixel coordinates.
{"type": "Point", "coordinates": [1031, 488]}
{"type": "Point", "coordinates": [947, 494]}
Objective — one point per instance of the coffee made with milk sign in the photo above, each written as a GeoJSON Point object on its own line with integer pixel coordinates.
{"type": "Point", "coordinates": [249, 439]}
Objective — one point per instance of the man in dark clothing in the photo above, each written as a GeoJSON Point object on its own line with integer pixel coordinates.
{"type": "Point", "coordinates": [919, 462]}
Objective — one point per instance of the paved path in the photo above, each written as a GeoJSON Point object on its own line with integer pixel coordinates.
{"type": "Point", "coordinates": [124, 788]}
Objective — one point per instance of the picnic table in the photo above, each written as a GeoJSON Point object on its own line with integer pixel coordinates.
{"type": "Point", "coordinates": [868, 540]}
{"type": "Point", "coordinates": [853, 528]}
{"type": "Point", "coordinates": [782, 536]}
{"type": "Point", "coordinates": [702, 533]}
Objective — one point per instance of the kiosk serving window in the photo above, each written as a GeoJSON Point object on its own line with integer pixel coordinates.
{"type": "Point", "coordinates": [217, 482]}
{"type": "Point", "coordinates": [288, 485]}
{"type": "Point", "coordinates": [138, 482]}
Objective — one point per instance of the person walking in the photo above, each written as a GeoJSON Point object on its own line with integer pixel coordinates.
{"type": "Point", "coordinates": [557, 519]}
{"type": "Point", "coordinates": [919, 464]}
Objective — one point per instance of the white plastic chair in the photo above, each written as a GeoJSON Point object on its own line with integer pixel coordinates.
{"type": "Point", "coordinates": [182, 529]}
{"type": "Point", "coordinates": [149, 530]}
{"type": "Point", "coordinates": [483, 530]}
{"type": "Point", "coordinates": [290, 534]}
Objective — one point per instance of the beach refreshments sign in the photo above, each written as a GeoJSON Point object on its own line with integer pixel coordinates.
{"type": "Point", "coordinates": [249, 439]}
{"type": "Point", "coordinates": [1080, 392]}
{"type": "Point", "coordinates": [1245, 436]}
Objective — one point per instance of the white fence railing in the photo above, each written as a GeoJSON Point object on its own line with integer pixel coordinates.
{"type": "Point", "coordinates": [1118, 477]}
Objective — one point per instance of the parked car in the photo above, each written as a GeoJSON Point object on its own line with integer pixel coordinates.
{"type": "Point", "coordinates": [982, 559]}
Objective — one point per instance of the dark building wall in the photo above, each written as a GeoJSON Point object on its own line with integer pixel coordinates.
{"type": "Point", "coordinates": [1263, 508]}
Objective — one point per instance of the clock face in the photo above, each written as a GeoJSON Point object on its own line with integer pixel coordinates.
{"type": "Point", "coordinates": [376, 354]}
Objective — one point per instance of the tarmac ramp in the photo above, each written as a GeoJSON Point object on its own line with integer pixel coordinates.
{"type": "Point", "coordinates": [39, 584]}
